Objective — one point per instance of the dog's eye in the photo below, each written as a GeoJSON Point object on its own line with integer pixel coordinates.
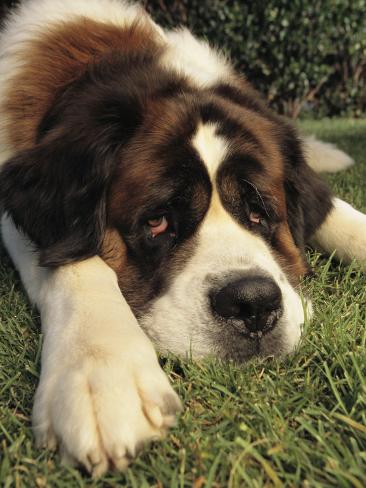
{"type": "Point", "coordinates": [255, 218]}
{"type": "Point", "coordinates": [158, 225]}
{"type": "Point", "coordinates": [259, 222]}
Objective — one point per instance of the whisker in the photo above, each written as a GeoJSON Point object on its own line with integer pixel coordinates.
{"type": "Point", "coordinates": [258, 194]}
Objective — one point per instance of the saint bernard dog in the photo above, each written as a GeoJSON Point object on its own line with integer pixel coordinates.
{"type": "Point", "coordinates": [149, 196]}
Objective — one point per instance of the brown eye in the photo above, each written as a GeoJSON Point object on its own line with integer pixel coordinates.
{"type": "Point", "coordinates": [158, 225]}
{"type": "Point", "coordinates": [255, 217]}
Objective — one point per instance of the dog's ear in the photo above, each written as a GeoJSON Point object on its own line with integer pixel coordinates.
{"type": "Point", "coordinates": [308, 197]}
{"type": "Point", "coordinates": [56, 194]}
{"type": "Point", "coordinates": [56, 191]}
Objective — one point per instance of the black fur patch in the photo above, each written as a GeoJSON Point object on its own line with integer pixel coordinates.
{"type": "Point", "coordinates": [307, 195]}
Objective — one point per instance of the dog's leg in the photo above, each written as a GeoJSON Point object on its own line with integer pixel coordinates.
{"type": "Point", "coordinates": [102, 392]}
{"type": "Point", "coordinates": [343, 232]}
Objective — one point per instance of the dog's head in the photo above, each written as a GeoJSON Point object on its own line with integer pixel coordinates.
{"type": "Point", "coordinates": [200, 200]}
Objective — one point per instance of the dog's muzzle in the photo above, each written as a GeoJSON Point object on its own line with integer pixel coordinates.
{"type": "Point", "coordinates": [251, 303]}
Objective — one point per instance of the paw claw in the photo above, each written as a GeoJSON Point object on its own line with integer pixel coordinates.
{"type": "Point", "coordinates": [119, 453]}
{"type": "Point", "coordinates": [95, 457]}
{"type": "Point", "coordinates": [121, 464]}
{"type": "Point", "coordinates": [52, 443]}
{"type": "Point", "coordinates": [170, 421]}
{"type": "Point", "coordinates": [172, 405]}
{"type": "Point", "coordinates": [46, 440]}
{"type": "Point", "coordinates": [153, 414]}
{"type": "Point", "coordinates": [99, 469]}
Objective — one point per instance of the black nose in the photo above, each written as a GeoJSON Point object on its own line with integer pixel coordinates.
{"type": "Point", "coordinates": [254, 300]}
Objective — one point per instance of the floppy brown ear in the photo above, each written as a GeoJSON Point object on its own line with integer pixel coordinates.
{"type": "Point", "coordinates": [55, 192]}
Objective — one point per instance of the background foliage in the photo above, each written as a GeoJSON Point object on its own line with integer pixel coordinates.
{"type": "Point", "coordinates": [306, 57]}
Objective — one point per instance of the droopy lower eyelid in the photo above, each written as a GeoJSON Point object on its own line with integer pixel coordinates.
{"type": "Point", "coordinates": [156, 221]}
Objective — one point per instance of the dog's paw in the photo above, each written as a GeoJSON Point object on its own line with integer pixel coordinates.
{"type": "Point", "coordinates": [101, 409]}
{"type": "Point", "coordinates": [344, 233]}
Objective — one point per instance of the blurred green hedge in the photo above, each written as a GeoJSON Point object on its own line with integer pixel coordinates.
{"type": "Point", "coordinates": [308, 57]}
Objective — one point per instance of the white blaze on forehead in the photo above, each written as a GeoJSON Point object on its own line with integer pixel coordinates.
{"type": "Point", "coordinates": [211, 147]}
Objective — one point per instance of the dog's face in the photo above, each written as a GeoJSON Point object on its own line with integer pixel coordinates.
{"type": "Point", "coordinates": [198, 209]}
{"type": "Point", "coordinates": [192, 197]}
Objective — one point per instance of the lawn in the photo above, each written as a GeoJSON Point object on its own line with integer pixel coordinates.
{"type": "Point", "coordinates": [296, 422]}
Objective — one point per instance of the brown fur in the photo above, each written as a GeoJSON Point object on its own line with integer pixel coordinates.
{"type": "Point", "coordinates": [289, 255]}
{"type": "Point", "coordinates": [57, 58]}
{"type": "Point", "coordinates": [114, 251]}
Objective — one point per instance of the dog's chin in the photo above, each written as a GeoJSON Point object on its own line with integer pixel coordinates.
{"type": "Point", "coordinates": [220, 339]}
{"type": "Point", "coordinates": [275, 343]}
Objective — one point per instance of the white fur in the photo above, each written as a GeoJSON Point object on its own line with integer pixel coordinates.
{"type": "Point", "coordinates": [102, 392]}
{"type": "Point", "coordinates": [211, 147]}
{"type": "Point", "coordinates": [343, 231]}
{"type": "Point", "coordinates": [325, 157]}
{"type": "Point", "coordinates": [195, 59]}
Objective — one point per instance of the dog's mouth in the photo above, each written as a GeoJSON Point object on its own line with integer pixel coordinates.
{"type": "Point", "coordinates": [256, 327]}
{"type": "Point", "coordinates": [241, 348]}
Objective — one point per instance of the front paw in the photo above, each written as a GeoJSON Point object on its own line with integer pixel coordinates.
{"type": "Point", "coordinates": [102, 409]}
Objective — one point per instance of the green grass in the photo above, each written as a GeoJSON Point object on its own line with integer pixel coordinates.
{"type": "Point", "coordinates": [296, 422]}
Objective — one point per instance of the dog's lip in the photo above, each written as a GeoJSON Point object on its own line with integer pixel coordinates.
{"type": "Point", "coordinates": [250, 335]}
{"type": "Point", "coordinates": [245, 333]}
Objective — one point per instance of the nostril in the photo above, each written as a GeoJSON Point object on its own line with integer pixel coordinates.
{"type": "Point", "coordinates": [255, 301]}
{"type": "Point", "coordinates": [225, 304]}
